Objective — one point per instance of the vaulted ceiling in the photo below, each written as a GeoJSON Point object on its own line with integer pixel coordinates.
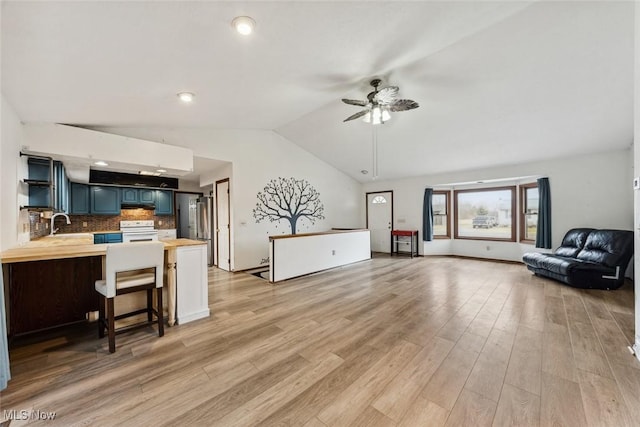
{"type": "Point", "coordinates": [497, 82]}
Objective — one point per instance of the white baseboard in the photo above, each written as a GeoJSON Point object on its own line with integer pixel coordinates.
{"type": "Point", "coordinates": [636, 350]}
{"type": "Point", "coordinates": [193, 316]}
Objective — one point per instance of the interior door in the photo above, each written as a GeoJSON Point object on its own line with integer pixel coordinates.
{"type": "Point", "coordinates": [380, 220]}
{"type": "Point", "coordinates": [223, 225]}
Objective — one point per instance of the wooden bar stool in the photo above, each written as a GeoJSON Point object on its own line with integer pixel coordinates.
{"type": "Point", "coordinates": [130, 267]}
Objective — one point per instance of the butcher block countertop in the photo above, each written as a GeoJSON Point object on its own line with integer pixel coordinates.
{"type": "Point", "coordinates": [170, 243]}
{"type": "Point", "coordinates": [68, 246]}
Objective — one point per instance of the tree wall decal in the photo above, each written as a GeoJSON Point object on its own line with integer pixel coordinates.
{"type": "Point", "coordinates": [288, 199]}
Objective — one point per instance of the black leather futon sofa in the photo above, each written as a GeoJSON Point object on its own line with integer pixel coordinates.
{"type": "Point", "coordinates": [588, 258]}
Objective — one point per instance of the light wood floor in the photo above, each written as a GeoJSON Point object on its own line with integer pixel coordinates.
{"type": "Point", "coordinates": [389, 342]}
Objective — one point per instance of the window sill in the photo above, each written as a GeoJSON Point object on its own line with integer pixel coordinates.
{"type": "Point", "coordinates": [486, 239]}
{"type": "Point", "coordinates": [442, 237]}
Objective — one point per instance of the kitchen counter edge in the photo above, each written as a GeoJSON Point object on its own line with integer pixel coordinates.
{"type": "Point", "coordinates": [24, 254]}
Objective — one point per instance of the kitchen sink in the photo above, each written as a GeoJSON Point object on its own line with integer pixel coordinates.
{"type": "Point", "coordinates": [70, 236]}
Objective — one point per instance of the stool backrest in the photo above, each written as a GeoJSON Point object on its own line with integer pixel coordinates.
{"type": "Point", "coordinates": [133, 256]}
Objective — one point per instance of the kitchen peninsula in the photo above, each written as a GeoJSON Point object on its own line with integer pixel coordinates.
{"type": "Point", "coordinates": [50, 281]}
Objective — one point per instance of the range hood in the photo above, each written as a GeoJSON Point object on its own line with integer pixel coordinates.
{"type": "Point", "coordinates": [149, 206]}
{"type": "Point", "coordinates": [132, 180]}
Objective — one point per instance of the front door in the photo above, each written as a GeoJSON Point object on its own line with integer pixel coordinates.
{"type": "Point", "coordinates": [223, 225]}
{"type": "Point", "coordinates": [380, 219]}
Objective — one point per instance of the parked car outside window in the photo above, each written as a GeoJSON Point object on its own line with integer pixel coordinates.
{"type": "Point", "coordinates": [483, 221]}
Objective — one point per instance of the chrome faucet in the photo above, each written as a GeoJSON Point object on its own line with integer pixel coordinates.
{"type": "Point", "coordinates": [53, 217]}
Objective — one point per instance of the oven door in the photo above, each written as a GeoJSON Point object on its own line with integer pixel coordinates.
{"type": "Point", "coordinates": [139, 237]}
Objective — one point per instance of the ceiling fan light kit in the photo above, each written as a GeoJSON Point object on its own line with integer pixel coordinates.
{"type": "Point", "coordinates": [379, 104]}
{"type": "Point", "coordinates": [378, 114]}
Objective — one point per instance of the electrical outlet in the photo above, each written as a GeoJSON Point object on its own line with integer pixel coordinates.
{"type": "Point", "coordinates": [333, 252]}
{"type": "Point", "coordinates": [159, 222]}
{"type": "Point", "coordinates": [84, 224]}
{"type": "Point", "coordinates": [488, 247]}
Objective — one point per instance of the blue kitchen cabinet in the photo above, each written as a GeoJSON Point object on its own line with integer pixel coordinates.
{"type": "Point", "coordinates": [48, 184]}
{"type": "Point", "coordinates": [40, 181]}
{"type": "Point", "coordinates": [40, 196]}
{"type": "Point", "coordinates": [105, 200]}
{"type": "Point", "coordinates": [39, 169]}
{"type": "Point", "coordinates": [164, 202]}
{"type": "Point", "coordinates": [147, 196]}
{"type": "Point", "coordinates": [107, 238]}
{"type": "Point", "coordinates": [138, 196]}
{"type": "Point", "coordinates": [113, 237]}
{"type": "Point", "coordinates": [129, 195]}
{"type": "Point", "coordinates": [79, 199]}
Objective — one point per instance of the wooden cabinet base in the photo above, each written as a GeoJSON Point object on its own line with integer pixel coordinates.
{"type": "Point", "coordinates": [45, 294]}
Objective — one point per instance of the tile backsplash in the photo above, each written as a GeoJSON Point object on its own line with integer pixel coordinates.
{"type": "Point", "coordinates": [40, 226]}
{"type": "Point", "coordinates": [37, 227]}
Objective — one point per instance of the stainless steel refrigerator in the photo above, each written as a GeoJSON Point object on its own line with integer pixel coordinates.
{"type": "Point", "coordinates": [204, 224]}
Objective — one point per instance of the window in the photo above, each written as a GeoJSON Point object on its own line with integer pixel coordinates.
{"type": "Point", "coordinates": [378, 199]}
{"type": "Point", "coordinates": [485, 214]}
{"type": "Point", "coordinates": [528, 212]}
{"type": "Point", "coordinates": [440, 204]}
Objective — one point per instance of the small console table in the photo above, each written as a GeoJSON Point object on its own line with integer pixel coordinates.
{"type": "Point", "coordinates": [400, 237]}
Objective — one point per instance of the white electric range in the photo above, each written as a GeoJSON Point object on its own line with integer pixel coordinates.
{"type": "Point", "coordinates": [138, 231]}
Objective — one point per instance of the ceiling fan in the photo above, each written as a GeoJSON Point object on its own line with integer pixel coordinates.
{"type": "Point", "coordinates": [379, 104]}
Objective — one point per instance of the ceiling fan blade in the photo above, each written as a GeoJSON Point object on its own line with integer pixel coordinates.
{"type": "Point", "coordinates": [355, 102]}
{"type": "Point", "coordinates": [403, 105]}
{"type": "Point", "coordinates": [356, 115]}
{"type": "Point", "coordinates": [386, 95]}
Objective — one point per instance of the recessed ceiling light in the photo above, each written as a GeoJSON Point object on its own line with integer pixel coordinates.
{"type": "Point", "coordinates": [161, 170]}
{"type": "Point", "coordinates": [243, 24]}
{"type": "Point", "coordinates": [149, 173]}
{"type": "Point", "coordinates": [101, 163]}
{"type": "Point", "coordinates": [186, 96]}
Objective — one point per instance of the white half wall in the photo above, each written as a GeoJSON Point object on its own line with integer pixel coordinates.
{"type": "Point", "coordinates": [257, 157]}
{"type": "Point", "coordinates": [592, 190]}
{"type": "Point", "coordinates": [306, 254]}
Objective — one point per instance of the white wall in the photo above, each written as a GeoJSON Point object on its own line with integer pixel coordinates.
{"type": "Point", "coordinates": [636, 194]}
{"type": "Point", "coordinates": [188, 186]}
{"type": "Point", "coordinates": [258, 156]}
{"type": "Point", "coordinates": [13, 168]}
{"type": "Point", "coordinates": [586, 191]}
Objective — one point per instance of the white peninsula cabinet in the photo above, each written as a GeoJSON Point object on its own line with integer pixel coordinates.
{"type": "Point", "coordinates": [189, 258]}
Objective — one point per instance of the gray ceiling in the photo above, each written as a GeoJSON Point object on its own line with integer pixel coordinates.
{"type": "Point", "coordinates": [497, 82]}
